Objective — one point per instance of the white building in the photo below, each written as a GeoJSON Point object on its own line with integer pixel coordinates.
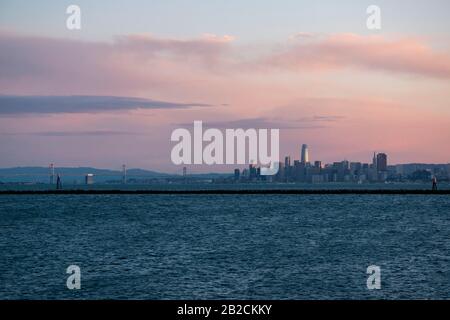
{"type": "Point", "coordinates": [89, 179]}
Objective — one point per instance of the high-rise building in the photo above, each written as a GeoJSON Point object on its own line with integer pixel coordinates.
{"type": "Point", "coordinates": [374, 161]}
{"type": "Point", "coordinates": [52, 173]}
{"type": "Point", "coordinates": [89, 179]}
{"type": "Point", "coordinates": [124, 174]}
{"type": "Point", "coordinates": [287, 169]}
{"type": "Point", "coordinates": [299, 171]}
{"type": "Point", "coordinates": [287, 161]}
{"type": "Point", "coordinates": [381, 162]}
{"type": "Point", "coordinates": [318, 164]}
{"type": "Point", "coordinates": [252, 171]}
{"type": "Point", "coordinates": [280, 174]}
{"type": "Point", "coordinates": [355, 167]}
{"type": "Point", "coordinates": [305, 154]}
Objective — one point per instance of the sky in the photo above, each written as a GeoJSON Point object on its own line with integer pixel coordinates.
{"type": "Point", "coordinates": [113, 91]}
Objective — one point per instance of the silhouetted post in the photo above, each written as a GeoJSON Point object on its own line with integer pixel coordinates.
{"type": "Point", "coordinates": [58, 183]}
{"type": "Point", "coordinates": [434, 187]}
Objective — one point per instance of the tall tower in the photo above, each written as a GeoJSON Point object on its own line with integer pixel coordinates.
{"type": "Point", "coordinates": [381, 162]}
{"type": "Point", "coordinates": [52, 173]}
{"type": "Point", "coordinates": [374, 161]}
{"type": "Point", "coordinates": [305, 154]}
{"type": "Point", "coordinates": [287, 161]}
{"type": "Point", "coordinates": [124, 174]}
{"type": "Point", "coordinates": [374, 167]}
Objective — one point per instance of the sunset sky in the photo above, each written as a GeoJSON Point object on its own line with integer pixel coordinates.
{"type": "Point", "coordinates": [112, 92]}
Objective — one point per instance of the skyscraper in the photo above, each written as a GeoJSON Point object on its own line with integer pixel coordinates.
{"type": "Point", "coordinates": [52, 173]}
{"type": "Point", "coordinates": [124, 174]}
{"type": "Point", "coordinates": [287, 161]}
{"type": "Point", "coordinates": [374, 170]}
{"type": "Point", "coordinates": [381, 162]}
{"type": "Point", "coordinates": [89, 178]}
{"type": "Point", "coordinates": [305, 155]}
{"type": "Point", "coordinates": [374, 161]}
{"type": "Point", "coordinates": [287, 169]}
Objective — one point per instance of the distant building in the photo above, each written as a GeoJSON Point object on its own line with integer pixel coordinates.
{"type": "Point", "coordinates": [237, 174]}
{"type": "Point", "coordinates": [342, 170]}
{"type": "Point", "coordinates": [287, 161]}
{"type": "Point", "coordinates": [89, 178]}
{"type": "Point", "coordinates": [356, 167]}
{"type": "Point", "coordinates": [317, 178]}
{"type": "Point", "coordinates": [305, 154]}
{"type": "Point", "coordinates": [374, 161]}
{"type": "Point", "coordinates": [299, 171]}
{"type": "Point", "coordinates": [124, 174]}
{"type": "Point", "coordinates": [287, 169]}
{"type": "Point", "coordinates": [304, 171]}
{"type": "Point", "coordinates": [399, 169]}
{"type": "Point", "coordinates": [245, 173]}
{"type": "Point", "coordinates": [280, 174]}
{"type": "Point", "coordinates": [381, 162]}
{"type": "Point", "coordinates": [52, 173]}
{"type": "Point", "coordinates": [373, 168]}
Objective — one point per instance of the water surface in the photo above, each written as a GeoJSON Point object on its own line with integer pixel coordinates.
{"type": "Point", "coordinates": [224, 246]}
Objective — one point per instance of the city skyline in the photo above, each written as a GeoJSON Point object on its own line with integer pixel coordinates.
{"type": "Point", "coordinates": [304, 158]}
{"type": "Point", "coordinates": [377, 158]}
{"type": "Point", "coordinates": [379, 171]}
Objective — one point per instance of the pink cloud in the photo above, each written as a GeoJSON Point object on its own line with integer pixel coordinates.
{"type": "Point", "coordinates": [406, 55]}
{"type": "Point", "coordinates": [129, 64]}
{"type": "Point", "coordinates": [207, 48]}
{"type": "Point", "coordinates": [145, 65]}
{"type": "Point", "coordinates": [214, 70]}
